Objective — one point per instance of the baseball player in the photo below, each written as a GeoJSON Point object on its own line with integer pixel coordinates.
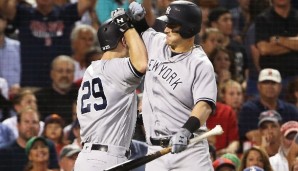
{"type": "Point", "coordinates": [179, 89]}
{"type": "Point", "coordinates": [106, 104]}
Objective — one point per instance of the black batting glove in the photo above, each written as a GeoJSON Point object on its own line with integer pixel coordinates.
{"type": "Point", "coordinates": [121, 19]}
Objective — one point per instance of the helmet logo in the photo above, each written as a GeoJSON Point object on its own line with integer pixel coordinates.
{"type": "Point", "coordinates": [106, 47]}
{"type": "Point", "coordinates": [168, 10]}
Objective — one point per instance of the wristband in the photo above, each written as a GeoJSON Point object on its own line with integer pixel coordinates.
{"type": "Point", "coordinates": [192, 124]}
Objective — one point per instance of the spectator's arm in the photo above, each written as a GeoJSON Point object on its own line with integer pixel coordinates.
{"type": "Point", "coordinates": [271, 48]}
{"type": "Point", "coordinates": [289, 42]}
{"type": "Point", "coordinates": [255, 54]}
{"type": "Point", "coordinates": [150, 17]}
{"type": "Point", "coordinates": [9, 8]}
{"type": "Point", "coordinates": [85, 5]}
{"type": "Point", "coordinates": [231, 148]}
{"type": "Point", "coordinates": [293, 152]}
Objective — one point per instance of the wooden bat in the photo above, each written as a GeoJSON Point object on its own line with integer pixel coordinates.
{"type": "Point", "coordinates": [134, 163]}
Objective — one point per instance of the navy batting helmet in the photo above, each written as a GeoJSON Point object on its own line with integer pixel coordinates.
{"type": "Point", "coordinates": [186, 14]}
{"type": "Point", "coordinates": [109, 35]}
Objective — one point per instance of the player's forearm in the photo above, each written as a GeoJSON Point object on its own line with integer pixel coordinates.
{"type": "Point", "coordinates": [201, 110]}
{"type": "Point", "coordinates": [150, 17]}
{"type": "Point", "coordinates": [270, 48]}
{"type": "Point", "coordinates": [289, 42]}
{"type": "Point", "coordinates": [137, 50]}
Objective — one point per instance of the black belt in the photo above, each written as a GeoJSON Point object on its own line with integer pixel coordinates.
{"type": "Point", "coordinates": [104, 148]}
{"type": "Point", "coordinates": [164, 142]}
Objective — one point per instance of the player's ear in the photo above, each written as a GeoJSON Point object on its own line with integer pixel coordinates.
{"type": "Point", "coordinates": [123, 41]}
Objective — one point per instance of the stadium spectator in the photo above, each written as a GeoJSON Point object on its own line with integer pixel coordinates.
{"type": "Point", "coordinates": [53, 130]}
{"type": "Point", "coordinates": [234, 158]}
{"type": "Point", "coordinates": [82, 38]}
{"type": "Point", "coordinates": [13, 156]}
{"type": "Point", "coordinates": [255, 156]}
{"type": "Point", "coordinates": [38, 154]}
{"type": "Point", "coordinates": [68, 156]}
{"type": "Point", "coordinates": [288, 130]}
{"type": "Point", "coordinates": [231, 93]}
{"type": "Point", "coordinates": [6, 135]}
{"type": "Point", "coordinates": [10, 64]}
{"type": "Point", "coordinates": [255, 8]}
{"type": "Point", "coordinates": [221, 19]}
{"type": "Point", "coordinates": [277, 38]}
{"type": "Point", "coordinates": [269, 87]}
{"type": "Point", "coordinates": [60, 96]}
{"type": "Point", "coordinates": [240, 18]}
{"type": "Point", "coordinates": [228, 142]}
{"type": "Point", "coordinates": [211, 39]}
{"type": "Point", "coordinates": [23, 99]}
{"type": "Point", "coordinates": [44, 33]}
{"type": "Point", "coordinates": [223, 164]}
{"type": "Point", "coordinates": [269, 126]}
{"type": "Point", "coordinates": [292, 92]}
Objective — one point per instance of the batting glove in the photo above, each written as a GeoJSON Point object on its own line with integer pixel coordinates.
{"type": "Point", "coordinates": [179, 141]}
{"type": "Point", "coordinates": [121, 19]}
{"type": "Point", "coordinates": [136, 11]}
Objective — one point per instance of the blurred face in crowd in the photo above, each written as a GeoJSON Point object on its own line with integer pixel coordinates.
{"type": "Point", "coordinates": [67, 163]}
{"type": "Point", "coordinates": [29, 100]}
{"type": "Point", "coordinates": [269, 89]}
{"type": "Point", "coordinates": [244, 4]}
{"type": "Point", "coordinates": [28, 126]}
{"type": "Point", "coordinates": [39, 152]}
{"type": "Point", "coordinates": [62, 74]}
{"type": "Point", "coordinates": [281, 3]}
{"type": "Point", "coordinates": [44, 3]}
{"type": "Point", "coordinates": [213, 40]}
{"type": "Point", "coordinates": [271, 131]}
{"type": "Point", "coordinates": [221, 61]}
{"type": "Point", "coordinates": [53, 131]}
{"type": "Point", "coordinates": [233, 96]}
{"type": "Point", "coordinates": [83, 42]}
{"type": "Point", "coordinates": [224, 24]}
{"type": "Point", "coordinates": [2, 26]}
{"type": "Point", "coordinates": [287, 141]}
{"type": "Point", "coordinates": [254, 158]}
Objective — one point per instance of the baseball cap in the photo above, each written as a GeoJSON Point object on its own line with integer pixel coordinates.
{"type": "Point", "coordinates": [233, 158]}
{"type": "Point", "coordinates": [269, 74]}
{"type": "Point", "coordinates": [253, 168]}
{"type": "Point", "coordinates": [69, 150]}
{"type": "Point", "coordinates": [269, 115]}
{"type": "Point", "coordinates": [288, 127]}
{"type": "Point", "coordinates": [220, 162]}
{"type": "Point", "coordinates": [31, 142]}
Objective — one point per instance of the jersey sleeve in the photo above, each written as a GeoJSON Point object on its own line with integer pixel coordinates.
{"type": "Point", "coordinates": [204, 86]}
{"type": "Point", "coordinates": [152, 38]}
{"type": "Point", "coordinates": [121, 72]}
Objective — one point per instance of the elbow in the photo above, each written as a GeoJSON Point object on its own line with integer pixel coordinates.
{"type": "Point", "coordinates": [143, 67]}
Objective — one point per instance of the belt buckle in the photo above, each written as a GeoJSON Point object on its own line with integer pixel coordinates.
{"type": "Point", "coordinates": [163, 142]}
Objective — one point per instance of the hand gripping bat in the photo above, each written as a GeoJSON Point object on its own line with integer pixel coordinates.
{"type": "Point", "coordinates": [134, 163]}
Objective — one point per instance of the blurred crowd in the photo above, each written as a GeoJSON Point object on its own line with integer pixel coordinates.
{"type": "Point", "coordinates": [46, 46]}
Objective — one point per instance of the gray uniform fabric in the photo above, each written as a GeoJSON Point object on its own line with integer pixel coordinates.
{"type": "Point", "coordinates": [106, 109]}
{"type": "Point", "coordinates": [173, 85]}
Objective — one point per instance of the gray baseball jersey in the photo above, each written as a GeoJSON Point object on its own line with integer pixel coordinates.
{"type": "Point", "coordinates": [106, 104]}
{"type": "Point", "coordinates": [173, 85]}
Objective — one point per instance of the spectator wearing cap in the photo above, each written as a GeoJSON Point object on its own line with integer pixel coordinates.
{"type": "Point", "coordinates": [255, 156]}
{"type": "Point", "coordinates": [269, 87]}
{"type": "Point", "coordinates": [13, 156]}
{"type": "Point", "coordinates": [223, 164]}
{"type": "Point", "coordinates": [53, 130]}
{"type": "Point", "coordinates": [234, 158]}
{"type": "Point", "coordinates": [68, 156]}
{"type": "Point", "coordinates": [288, 130]}
{"type": "Point", "coordinates": [38, 153]}
{"type": "Point", "coordinates": [269, 127]}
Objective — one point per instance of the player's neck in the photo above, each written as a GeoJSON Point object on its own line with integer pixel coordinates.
{"type": "Point", "coordinates": [112, 54]}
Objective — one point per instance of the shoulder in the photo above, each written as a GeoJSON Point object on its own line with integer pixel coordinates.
{"type": "Point", "coordinates": [12, 41]}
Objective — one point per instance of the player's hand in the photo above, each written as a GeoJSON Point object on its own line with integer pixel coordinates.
{"type": "Point", "coordinates": [136, 11]}
{"type": "Point", "coordinates": [120, 17]}
{"type": "Point", "coordinates": [179, 141]}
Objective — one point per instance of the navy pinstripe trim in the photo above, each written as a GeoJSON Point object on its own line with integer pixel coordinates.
{"type": "Point", "coordinates": [134, 70]}
{"type": "Point", "coordinates": [211, 102]}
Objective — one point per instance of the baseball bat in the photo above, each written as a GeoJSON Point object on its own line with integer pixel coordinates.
{"type": "Point", "coordinates": [134, 163]}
